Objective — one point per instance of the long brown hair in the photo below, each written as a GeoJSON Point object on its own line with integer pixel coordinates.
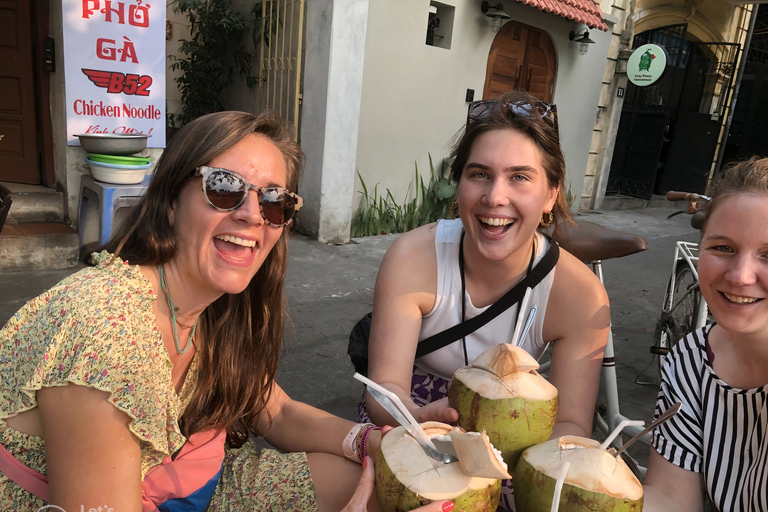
{"type": "Point", "coordinates": [542, 130]}
{"type": "Point", "coordinates": [243, 332]}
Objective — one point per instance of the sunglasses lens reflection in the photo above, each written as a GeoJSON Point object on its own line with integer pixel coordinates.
{"type": "Point", "coordinates": [277, 206]}
{"type": "Point", "coordinates": [226, 191]}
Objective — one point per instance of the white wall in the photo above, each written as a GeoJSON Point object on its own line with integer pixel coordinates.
{"type": "Point", "coordinates": [413, 99]}
{"type": "Point", "coordinates": [331, 107]}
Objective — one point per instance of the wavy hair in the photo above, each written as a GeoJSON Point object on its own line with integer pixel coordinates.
{"type": "Point", "coordinates": [541, 130]}
{"type": "Point", "coordinates": [243, 332]}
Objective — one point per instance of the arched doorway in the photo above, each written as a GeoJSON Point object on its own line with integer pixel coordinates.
{"type": "Point", "coordinates": [521, 57]}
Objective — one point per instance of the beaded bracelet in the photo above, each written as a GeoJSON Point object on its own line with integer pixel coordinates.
{"type": "Point", "coordinates": [350, 444]}
{"type": "Point", "coordinates": [365, 440]}
{"type": "Point", "coordinates": [355, 445]}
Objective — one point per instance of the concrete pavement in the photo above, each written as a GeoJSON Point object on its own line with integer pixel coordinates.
{"type": "Point", "coordinates": [329, 287]}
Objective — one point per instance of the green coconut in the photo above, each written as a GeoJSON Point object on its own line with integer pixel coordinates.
{"type": "Point", "coordinates": [595, 480]}
{"type": "Point", "coordinates": [407, 478]}
{"type": "Point", "coordinates": [501, 393]}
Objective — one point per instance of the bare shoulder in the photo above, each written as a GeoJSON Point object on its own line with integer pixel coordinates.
{"type": "Point", "coordinates": [575, 288]}
{"type": "Point", "coordinates": [413, 252]}
{"type": "Point", "coordinates": [418, 243]}
{"type": "Point", "coordinates": [409, 269]}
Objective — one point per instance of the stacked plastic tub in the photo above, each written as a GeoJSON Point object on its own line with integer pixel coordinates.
{"type": "Point", "coordinates": [112, 157]}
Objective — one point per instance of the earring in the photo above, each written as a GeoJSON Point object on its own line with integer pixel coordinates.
{"type": "Point", "coordinates": [547, 218]}
{"type": "Point", "coordinates": [455, 208]}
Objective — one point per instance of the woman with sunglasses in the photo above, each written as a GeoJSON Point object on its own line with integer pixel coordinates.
{"type": "Point", "coordinates": [510, 174]}
{"type": "Point", "coordinates": [122, 384]}
{"type": "Point", "coordinates": [717, 443]}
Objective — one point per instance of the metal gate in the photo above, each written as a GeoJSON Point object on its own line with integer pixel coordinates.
{"type": "Point", "coordinates": [749, 127]}
{"type": "Point", "coordinates": [645, 117]}
{"type": "Point", "coordinates": [280, 52]}
{"type": "Point", "coordinates": [669, 130]}
{"type": "Point", "coordinates": [695, 127]}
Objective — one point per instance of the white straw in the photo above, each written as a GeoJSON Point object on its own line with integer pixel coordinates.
{"type": "Point", "coordinates": [399, 406]}
{"type": "Point", "coordinates": [618, 429]}
{"type": "Point", "coordinates": [521, 318]}
{"type": "Point", "coordinates": [559, 485]}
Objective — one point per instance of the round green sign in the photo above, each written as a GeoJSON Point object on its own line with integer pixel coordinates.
{"type": "Point", "coordinates": [646, 64]}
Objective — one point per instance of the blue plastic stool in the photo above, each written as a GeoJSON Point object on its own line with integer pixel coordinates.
{"type": "Point", "coordinates": [109, 198]}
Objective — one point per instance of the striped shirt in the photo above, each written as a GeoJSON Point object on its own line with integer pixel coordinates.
{"type": "Point", "coordinates": [720, 431]}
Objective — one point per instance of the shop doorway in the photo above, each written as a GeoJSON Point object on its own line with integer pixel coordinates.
{"type": "Point", "coordinates": [668, 131]}
{"type": "Point", "coordinates": [521, 57]}
{"type": "Point", "coordinates": [25, 133]}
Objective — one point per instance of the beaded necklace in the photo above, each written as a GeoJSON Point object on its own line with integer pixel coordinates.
{"type": "Point", "coordinates": [164, 286]}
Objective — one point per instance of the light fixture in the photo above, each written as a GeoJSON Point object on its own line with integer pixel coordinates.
{"type": "Point", "coordinates": [582, 39]}
{"type": "Point", "coordinates": [496, 13]}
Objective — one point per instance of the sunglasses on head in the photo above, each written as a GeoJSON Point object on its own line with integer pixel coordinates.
{"type": "Point", "coordinates": [227, 191]}
{"type": "Point", "coordinates": [544, 110]}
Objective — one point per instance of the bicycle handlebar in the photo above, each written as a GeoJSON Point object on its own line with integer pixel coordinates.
{"type": "Point", "coordinates": [681, 196]}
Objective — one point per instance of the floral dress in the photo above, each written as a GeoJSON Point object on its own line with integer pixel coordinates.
{"type": "Point", "coordinates": [96, 328]}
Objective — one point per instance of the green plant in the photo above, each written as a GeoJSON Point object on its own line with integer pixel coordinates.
{"type": "Point", "coordinates": [380, 214]}
{"type": "Point", "coordinates": [265, 22]}
{"type": "Point", "coordinates": [211, 56]}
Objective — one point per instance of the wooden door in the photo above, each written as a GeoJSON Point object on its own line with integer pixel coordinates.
{"type": "Point", "coordinates": [18, 145]}
{"type": "Point", "coordinates": [521, 57]}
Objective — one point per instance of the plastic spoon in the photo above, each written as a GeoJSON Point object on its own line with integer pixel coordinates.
{"type": "Point", "coordinates": [395, 407]}
{"type": "Point", "coordinates": [661, 419]}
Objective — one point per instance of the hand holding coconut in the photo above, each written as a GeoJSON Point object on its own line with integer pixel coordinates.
{"type": "Point", "coordinates": [364, 491]}
{"type": "Point", "coordinates": [510, 176]}
{"type": "Point", "coordinates": [209, 240]}
{"type": "Point", "coordinates": [406, 477]}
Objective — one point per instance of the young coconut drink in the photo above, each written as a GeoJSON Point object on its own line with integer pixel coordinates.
{"type": "Point", "coordinates": [407, 478]}
{"type": "Point", "coordinates": [501, 393]}
{"type": "Point", "coordinates": [595, 478]}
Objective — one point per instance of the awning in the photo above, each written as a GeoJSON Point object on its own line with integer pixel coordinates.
{"type": "Point", "coordinates": [581, 11]}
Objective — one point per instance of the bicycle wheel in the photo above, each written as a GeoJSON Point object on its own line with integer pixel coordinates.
{"type": "Point", "coordinates": [678, 322]}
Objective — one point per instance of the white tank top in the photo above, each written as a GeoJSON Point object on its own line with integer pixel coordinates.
{"type": "Point", "coordinates": [447, 309]}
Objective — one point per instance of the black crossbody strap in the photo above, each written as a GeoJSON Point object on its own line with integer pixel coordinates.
{"type": "Point", "coordinates": [510, 298]}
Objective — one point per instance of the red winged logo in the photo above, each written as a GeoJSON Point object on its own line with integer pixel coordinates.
{"type": "Point", "coordinates": [118, 83]}
{"type": "Point", "coordinates": [99, 78]}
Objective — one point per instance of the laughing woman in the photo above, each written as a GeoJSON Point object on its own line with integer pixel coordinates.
{"type": "Point", "coordinates": [510, 174]}
{"type": "Point", "coordinates": [717, 444]}
{"type": "Point", "coordinates": [120, 384]}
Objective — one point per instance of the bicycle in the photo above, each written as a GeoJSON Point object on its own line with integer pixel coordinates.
{"type": "Point", "coordinates": [684, 309]}
{"type": "Point", "coordinates": [593, 243]}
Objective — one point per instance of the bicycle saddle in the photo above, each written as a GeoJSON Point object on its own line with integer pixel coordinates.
{"type": "Point", "coordinates": [591, 242]}
{"type": "Point", "coordinates": [697, 219]}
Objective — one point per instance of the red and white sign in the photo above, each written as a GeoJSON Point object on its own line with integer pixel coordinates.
{"type": "Point", "coordinates": [114, 60]}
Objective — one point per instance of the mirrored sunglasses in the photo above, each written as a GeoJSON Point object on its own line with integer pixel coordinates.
{"type": "Point", "coordinates": [542, 109]}
{"type": "Point", "coordinates": [226, 191]}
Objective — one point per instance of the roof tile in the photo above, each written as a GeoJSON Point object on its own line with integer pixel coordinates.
{"type": "Point", "coordinates": [582, 11]}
